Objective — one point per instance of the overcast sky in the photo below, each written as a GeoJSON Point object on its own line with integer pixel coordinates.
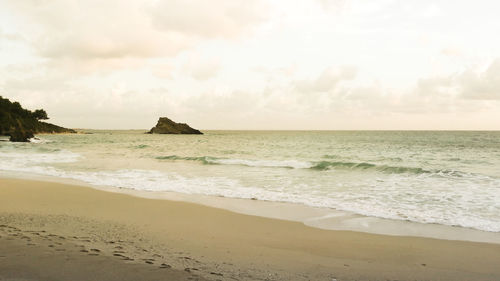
{"type": "Point", "coordinates": [242, 64]}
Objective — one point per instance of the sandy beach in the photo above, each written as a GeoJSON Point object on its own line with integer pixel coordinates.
{"type": "Point", "coordinates": [55, 231]}
{"type": "Point", "coordinates": [235, 140]}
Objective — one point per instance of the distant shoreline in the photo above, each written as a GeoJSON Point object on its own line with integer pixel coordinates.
{"type": "Point", "coordinates": [300, 130]}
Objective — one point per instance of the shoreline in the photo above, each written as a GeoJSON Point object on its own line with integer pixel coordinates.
{"type": "Point", "coordinates": [322, 218]}
{"type": "Point", "coordinates": [206, 240]}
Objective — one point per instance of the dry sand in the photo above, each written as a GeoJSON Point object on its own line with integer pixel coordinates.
{"type": "Point", "coordinates": [40, 256]}
{"type": "Point", "coordinates": [52, 231]}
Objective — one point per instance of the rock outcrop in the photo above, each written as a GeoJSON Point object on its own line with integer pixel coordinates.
{"type": "Point", "coordinates": [21, 124]}
{"type": "Point", "coordinates": [167, 126]}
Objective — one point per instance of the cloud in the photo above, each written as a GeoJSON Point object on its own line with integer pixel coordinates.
{"type": "Point", "coordinates": [451, 52]}
{"type": "Point", "coordinates": [10, 36]}
{"type": "Point", "coordinates": [164, 70]}
{"type": "Point", "coordinates": [202, 68]}
{"type": "Point", "coordinates": [436, 86]}
{"type": "Point", "coordinates": [93, 63]}
{"type": "Point", "coordinates": [333, 5]}
{"type": "Point", "coordinates": [327, 80]}
{"type": "Point", "coordinates": [93, 29]}
{"type": "Point", "coordinates": [469, 84]}
{"type": "Point", "coordinates": [210, 19]}
{"type": "Point", "coordinates": [73, 106]}
{"type": "Point", "coordinates": [432, 11]}
{"type": "Point", "coordinates": [483, 85]}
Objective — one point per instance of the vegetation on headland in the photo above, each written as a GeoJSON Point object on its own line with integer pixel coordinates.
{"type": "Point", "coordinates": [22, 124]}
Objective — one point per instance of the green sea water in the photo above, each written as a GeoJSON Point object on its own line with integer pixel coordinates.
{"type": "Point", "coordinates": [449, 178]}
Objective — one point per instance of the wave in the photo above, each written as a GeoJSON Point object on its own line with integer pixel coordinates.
{"type": "Point", "coordinates": [58, 156]}
{"type": "Point", "coordinates": [326, 165]}
{"type": "Point", "coordinates": [203, 159]}
{"type": "Point", "coordinates": [312, 165]}
{"type": "Point", "coordinates": [383, 203]}
{"type": "Point", "coordinates": [455, 199]}
{"type": "Point", "coordinates": [290, 164]}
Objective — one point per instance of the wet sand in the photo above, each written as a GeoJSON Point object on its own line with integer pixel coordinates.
{"type": "Point", "coordinates": [53, 231]}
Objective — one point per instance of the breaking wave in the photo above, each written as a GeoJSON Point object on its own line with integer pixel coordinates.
{"type": "Point", "coordinates": [312, 165]}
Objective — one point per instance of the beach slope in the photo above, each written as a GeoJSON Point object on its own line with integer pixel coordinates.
{"type": "Point", "coordinates": [45, 223]}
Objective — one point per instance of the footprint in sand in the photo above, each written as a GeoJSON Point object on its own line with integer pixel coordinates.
{"type": "Point", "coordinates": [123, 257]}
{"type": "Point", "coordinates": [164, 265]}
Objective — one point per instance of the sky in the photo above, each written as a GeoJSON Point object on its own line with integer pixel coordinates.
{"type": "Point", "coordinates": [255, 64]}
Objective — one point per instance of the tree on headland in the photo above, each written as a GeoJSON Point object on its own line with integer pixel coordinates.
{"type": "Point", "coordinates": [21, 124]}
{"type": "Point", "coordinates": [40, 114]}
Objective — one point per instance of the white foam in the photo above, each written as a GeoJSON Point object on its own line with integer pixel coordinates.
{"type": "Point", "coordinates": [20, 159]}
{"type": "Point", "coordinates": [39, 140]}
{"type": "Point", "coordinates": [386, 204]}
{"type": "Point", "coordinates": [471, 201]}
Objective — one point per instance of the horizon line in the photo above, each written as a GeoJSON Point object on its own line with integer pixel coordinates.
{"type": "Point", "coordinates": [317, 130]}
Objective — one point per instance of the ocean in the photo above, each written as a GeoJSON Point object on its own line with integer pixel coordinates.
{"type": "Point", "coordinates": [433, 177]}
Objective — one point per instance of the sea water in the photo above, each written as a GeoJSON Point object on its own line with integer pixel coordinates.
{"type": "Point", "coordinates": [447, 178]}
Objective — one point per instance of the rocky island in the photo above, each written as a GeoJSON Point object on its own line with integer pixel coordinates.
{"type": "Point", "coordinates": [22, 124]}
{"type": "Point", "coordinates": [167, 126]}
